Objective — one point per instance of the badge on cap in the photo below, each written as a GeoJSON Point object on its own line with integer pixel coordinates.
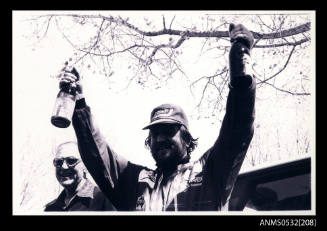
{"type": "Point", "coordinates": [162, 113]}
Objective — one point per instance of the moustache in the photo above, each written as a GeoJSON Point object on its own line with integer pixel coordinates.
{"type": "Point", "coordinates": [65, 173]}
{"type": "Point", "coordinates": [163, 145]}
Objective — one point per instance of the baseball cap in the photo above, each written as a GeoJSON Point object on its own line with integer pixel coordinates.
{"type": "Point", "coordinates": [167, 114]}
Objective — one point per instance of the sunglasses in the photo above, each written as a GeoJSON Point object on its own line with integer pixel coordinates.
{"type": "Point", "coordinates": [70, 162]}
{"type": "Point", "coordinates": [165, 129]}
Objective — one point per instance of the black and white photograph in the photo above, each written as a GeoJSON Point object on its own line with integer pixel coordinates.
{"type": "Point", "coordinates": [155, 112]}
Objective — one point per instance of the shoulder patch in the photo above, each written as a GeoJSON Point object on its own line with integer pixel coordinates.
{"type": "Point", "coordinates": [148, 177]}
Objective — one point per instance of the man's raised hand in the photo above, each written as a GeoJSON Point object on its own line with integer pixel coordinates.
{"type": "Point", "coordinates": [70, 78]}
{"type": "Point", "coordinates": [239, 33]}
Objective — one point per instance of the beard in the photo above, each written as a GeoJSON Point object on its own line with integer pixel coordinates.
{"type": "Point", "coordinates": [167, 154]}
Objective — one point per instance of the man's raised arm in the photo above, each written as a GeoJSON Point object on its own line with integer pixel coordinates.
{"type": "Point", "coordinates": [224, 159]}
{"type": "Point", "coordinates": [111, 172]}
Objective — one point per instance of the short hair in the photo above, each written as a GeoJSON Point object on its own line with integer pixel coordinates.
{"type": "Point", "coordinates": [85, 171]}
{"type": "Point", "coordinates": [186, 137]}
{"type": "Point", "coordinates": [65, 143]}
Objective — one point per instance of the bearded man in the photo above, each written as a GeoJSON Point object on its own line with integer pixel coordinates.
{"type": "Point", "coordinates": [177, 184]}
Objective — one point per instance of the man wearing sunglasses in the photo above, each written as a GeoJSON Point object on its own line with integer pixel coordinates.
{"type": "Point", "coordinates": [177, 184]}
{"type": "Point", "coordinates": [79, 193]}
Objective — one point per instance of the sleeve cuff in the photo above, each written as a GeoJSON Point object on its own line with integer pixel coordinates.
{"type": "Point", "coordinates": [80, 103]}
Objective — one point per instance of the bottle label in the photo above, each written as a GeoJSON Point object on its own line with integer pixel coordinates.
{"type": "Point", "coordinates": [63, 109]}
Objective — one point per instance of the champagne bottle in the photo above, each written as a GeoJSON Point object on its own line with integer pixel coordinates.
{"type": "Point", "coordinates": [65, 104]}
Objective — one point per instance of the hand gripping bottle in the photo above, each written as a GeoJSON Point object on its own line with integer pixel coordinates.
{"type": "Point", "coordinates": [65, 104]}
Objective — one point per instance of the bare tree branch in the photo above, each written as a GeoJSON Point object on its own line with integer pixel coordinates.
{"type": "Point", "coordinates": [47, 28]}
{"type": "Point", "coordinates": [283, 68]}
{"type": "Point", "coordinates": [146, 57]}
{"type": "Point", "coordinates": [178, 44]}
{"type": "Point", "coordinates": [285, 33]}
{"type": "Point", "coordinates": [209, 79]}
{"type": "Point", "coordinates": [164, 22]}
{"type": "Point", "coordinates": [286, 91]}
{"type": "Point", "coordinates": [171, 23]}
{"type": "Point", "coordinates": [283, 44]}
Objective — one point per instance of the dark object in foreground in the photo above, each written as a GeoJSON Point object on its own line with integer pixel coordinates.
{"type": "Point", "coordinates": [285, 186]}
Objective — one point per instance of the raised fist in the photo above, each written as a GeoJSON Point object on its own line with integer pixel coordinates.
{"type": "Point", "coordinates": [239, 56]}
{"type": "Point", "coordinates": [239, 33]}
{"type": "Point", "coordinates": [70, 80]}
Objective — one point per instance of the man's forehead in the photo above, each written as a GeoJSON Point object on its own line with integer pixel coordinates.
{"type": "Point", "coordinates": [68, 149]}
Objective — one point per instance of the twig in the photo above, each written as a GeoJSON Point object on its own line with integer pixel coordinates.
{"type": "Point", "coordinates": [283, 68]}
